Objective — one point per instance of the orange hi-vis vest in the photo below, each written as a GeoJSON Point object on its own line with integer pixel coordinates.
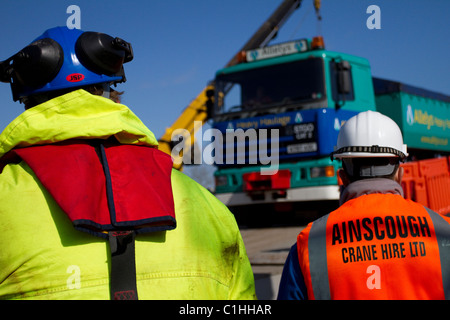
{"type": "Point", "coordinates": [377, 246]}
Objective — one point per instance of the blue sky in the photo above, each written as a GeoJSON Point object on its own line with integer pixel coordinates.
{"type": "Point", "coordinates": [180, 44]}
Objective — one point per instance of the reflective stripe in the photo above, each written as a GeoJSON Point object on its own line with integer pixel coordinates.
{"type": "Point", "coordinates": [442, 230]}
{"type": "Point", "coordinates": [317, 248]}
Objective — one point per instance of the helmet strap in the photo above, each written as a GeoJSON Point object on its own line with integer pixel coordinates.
{"type": "Point", "coordinates": [106, 90]}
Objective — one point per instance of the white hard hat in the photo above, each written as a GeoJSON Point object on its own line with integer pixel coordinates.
{"type": "Point", "coordinates": [370, 134]}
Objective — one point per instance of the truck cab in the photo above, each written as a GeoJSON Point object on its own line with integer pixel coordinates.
{"type": "Point", "coordinates": [303, 77]}
{"type": "Point", "coordinates": [302, 94]}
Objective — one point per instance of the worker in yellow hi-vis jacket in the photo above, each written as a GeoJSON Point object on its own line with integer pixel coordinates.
{"type": "Point", "coordinates": [89, 207]}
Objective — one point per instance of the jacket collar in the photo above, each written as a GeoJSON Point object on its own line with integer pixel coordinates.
{"type": "Point", "coordinates": [76, 115]}
{"type": "Point", "coordinates": [370, 186]}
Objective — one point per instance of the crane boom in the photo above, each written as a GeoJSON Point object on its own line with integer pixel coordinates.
{"type": "Point", "coordinates": [199, 108]}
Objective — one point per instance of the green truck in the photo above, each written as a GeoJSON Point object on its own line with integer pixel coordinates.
{"type": "Point", "coordinates": [301, 94]}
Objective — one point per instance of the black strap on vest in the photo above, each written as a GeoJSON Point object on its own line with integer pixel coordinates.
{"type": "Point", "coordinates": [123, 266]}
{"type": "Point", "coordinates": [121, 243]}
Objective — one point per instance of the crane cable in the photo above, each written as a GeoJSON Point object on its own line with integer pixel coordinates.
{"type": "Point", "coordinates": [316, 5]}
{"type": "Point", "coordinates": [299, 25]}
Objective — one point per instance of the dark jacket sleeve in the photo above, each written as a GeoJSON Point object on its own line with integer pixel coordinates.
{"type": "Point", "coordinates": [292, 284]}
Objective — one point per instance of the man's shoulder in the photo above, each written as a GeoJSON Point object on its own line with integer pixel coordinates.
{"type": "Point", "coordinates": [192, 193]}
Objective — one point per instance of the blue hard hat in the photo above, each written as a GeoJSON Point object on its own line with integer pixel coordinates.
{"type": "Point", "coordinates": [64, 58]}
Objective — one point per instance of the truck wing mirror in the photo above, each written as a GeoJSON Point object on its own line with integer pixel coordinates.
{"type": "Point", "coordinates": [344, 81]}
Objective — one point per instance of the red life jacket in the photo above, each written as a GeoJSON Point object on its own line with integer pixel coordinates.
{"type": "Point", "coordinates": [109, 190]}
{"type": "Point", "coordinates": [105, 186]}
{"type": "Point", "coordinates": [377, 246]}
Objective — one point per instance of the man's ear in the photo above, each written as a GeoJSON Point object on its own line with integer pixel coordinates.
{"type": "Point", "coordinates": [399, 175]}
{"type": "Point", "coordinates": [344, 177]}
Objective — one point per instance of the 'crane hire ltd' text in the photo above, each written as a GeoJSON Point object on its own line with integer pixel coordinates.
{"type": "Point", "coordinates": [399, 237]}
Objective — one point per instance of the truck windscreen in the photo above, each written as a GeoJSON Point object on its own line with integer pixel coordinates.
{"type": "Point", "coordinates": [297, 82]}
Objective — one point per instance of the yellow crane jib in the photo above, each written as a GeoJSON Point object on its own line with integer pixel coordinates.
{"type": "Point", "coordinates": [183, 130]}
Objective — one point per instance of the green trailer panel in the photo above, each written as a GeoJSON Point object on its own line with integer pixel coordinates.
{"type": "Point", "coordinates": [422, 115]}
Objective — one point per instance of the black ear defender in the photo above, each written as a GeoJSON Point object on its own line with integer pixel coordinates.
{"type": "Point", "coordinates": [102, 53]}
{"type": "Point", "coordinates": [33, 66]}
{"type": "Point", "coordinates": [90, 58]}
{"type": "Point", "coordinates": [6, 70]}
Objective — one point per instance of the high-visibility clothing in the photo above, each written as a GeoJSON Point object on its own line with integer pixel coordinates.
{"type": "Point", "coordinates": [43, 256]}
{"type": "Point", "coordinates": [377, 246]}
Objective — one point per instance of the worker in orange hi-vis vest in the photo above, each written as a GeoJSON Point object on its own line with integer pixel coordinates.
{"type": "Point", "coordinates": [377, 244]}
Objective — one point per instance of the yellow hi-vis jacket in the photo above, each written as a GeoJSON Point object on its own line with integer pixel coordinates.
{"type": "Point", "coordinates": [42, 256]}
